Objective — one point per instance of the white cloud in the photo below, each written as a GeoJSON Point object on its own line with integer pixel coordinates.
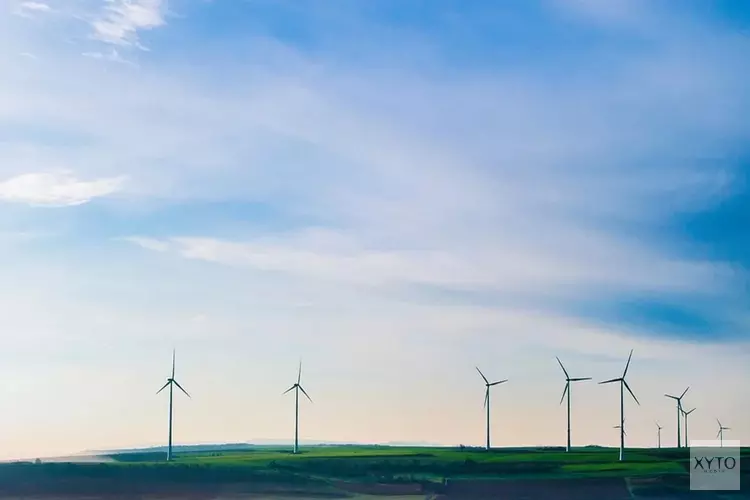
{"type": "Point", "coordinates": [149, 243]}
{"type": "Point", "coordinates": [122, 20]}
{"type": "Point", "coordinates": [568, 269]}
{"type": "Point", "coordinates": [27, 8]}
{"type": "Point", "coordinates": [55, 189]}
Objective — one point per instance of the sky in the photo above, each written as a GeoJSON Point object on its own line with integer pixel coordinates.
{"type": "Point", "coordinates": [393, 192]}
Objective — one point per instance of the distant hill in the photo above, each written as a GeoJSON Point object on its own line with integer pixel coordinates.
{"type": "Point", "coordinates": [258, 443]}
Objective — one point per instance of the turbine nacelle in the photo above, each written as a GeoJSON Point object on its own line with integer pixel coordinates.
{"type": "Point", "coordinates": [678, 398]}
{"type": "Point", "coordinates": [568, 380]}
{"type": "Point", "coordinates": [487, 383]}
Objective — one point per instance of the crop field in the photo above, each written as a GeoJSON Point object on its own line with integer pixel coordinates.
{"type": "Point", "coordinates": [363, 471]}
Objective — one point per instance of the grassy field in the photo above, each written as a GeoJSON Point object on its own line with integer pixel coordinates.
{"type": "Point", "coordinates": [341, 471]}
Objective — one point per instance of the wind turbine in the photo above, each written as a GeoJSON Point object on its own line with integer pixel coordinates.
{"type": "Point", "coordinates": [658, 434]}
{"type": "Point", "coordinates": [488, 384]}
{"type": "Point", "coordinates": [620, 427]}
{"type": "Point", "coordinates": [720, 435]}
{"type": "Point", "coordinates": [685, 416]}
{"type": "Point", "coordinates": [568, 380]}
{"type": "Point", "coordinates": [679, 410]}
{"type": "Point", "coordinates": [171, 382]}
{"type": "Point", "coordinates": [297, 387]}
{"type": "Point", "coordinates": [623, 385]}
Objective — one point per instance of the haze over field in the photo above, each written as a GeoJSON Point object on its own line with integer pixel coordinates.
{"type": "Point", "coordinates": [393, 191]}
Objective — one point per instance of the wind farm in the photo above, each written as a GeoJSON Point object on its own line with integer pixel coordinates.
{"type": "Point", "coordinates": [367, 471]}
{"type": "Point", "coordinates": [378, 195]}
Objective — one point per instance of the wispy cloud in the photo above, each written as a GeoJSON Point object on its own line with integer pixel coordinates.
{"type": "Point", "coordinates": [55, 189]}
{"type": "Point", "coordinates": [148, 243]}
{"type": "Point", "coordinates": [497, 266]}
{"type": "Point", "coordinates": [27, 9]}
{"type": "Point", "coordinates": [122, 20]}
{"type": "Point", "coordinates": [111, 56]}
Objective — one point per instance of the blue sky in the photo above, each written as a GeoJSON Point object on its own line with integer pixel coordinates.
{"type": "Point", "coordinates": [395, 191]}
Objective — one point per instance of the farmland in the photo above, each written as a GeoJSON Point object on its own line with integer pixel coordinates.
{"type": "Point", "coordinates": [354, 471]}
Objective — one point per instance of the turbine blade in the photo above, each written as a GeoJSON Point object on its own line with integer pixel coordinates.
{"type": "Point", "coordinates": [482, 374]}
{"type": "Point", "coordinates": [498, 382]}
{"type": "Point", "coordinates": [303, 392]}
{"type": "Point", "coordinates": [628, 364]}
{"type": "Point", "coordinates": [631, 392]}
{"type": "Point", "coordinates": [673, 397]}
{"type": "Point", "coordinates": [162, 387]}
{"type": "Point", "coordinates": [486, 397]}
{"type": "Point", "coordinates": [579, 379]}
{"type": "Point", "coordinates": [565, 391]}
{"type": "Point", "coordinates": [299, 372]}
{"type": "Point", "coordinates": [291, 388]}
{"type": "Point", "coordinates": [718, 422]}
{"type": "Point", "coordinates": [173, 363]}
{"type": "Point", "coordinates": [611, 380]}
{"type": "Point", "coordinates": [683, 394]}
{"type": "Point", "coordinates": [718, 433]}
{"type": "Point", "coordinates": [563, 368]}
{"type": "Point", "coordinates": [183, 390]}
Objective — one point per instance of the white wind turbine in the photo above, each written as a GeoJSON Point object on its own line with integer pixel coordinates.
{"type": "Point", "coordinates": [296, 388]}
{"type": "Point", "coordinates": [679, 411]}
{"type": "Point", "coordinates": [488, 384]}
{"type": "Point", "coordinates": [658, 434]}
{"type": "Point", "coordinates": [171, 382]}
{"type": "Point", "coordinates": [685, 415]}
{"type": "Point", "coordinates": [720, 435]}
{"type": "Point", "coordinates": [568, 380]}
{"type": "Point", "coordinates": [623, 385]}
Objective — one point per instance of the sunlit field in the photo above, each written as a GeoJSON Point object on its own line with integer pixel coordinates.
{"type": "Point", "coordinates": [346, 471]}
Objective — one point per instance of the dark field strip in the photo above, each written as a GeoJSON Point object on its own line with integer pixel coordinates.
{"type": "Point", "coordinates": [337, 471]}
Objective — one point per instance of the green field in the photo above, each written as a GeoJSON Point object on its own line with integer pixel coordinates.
{"type": "Point", "coordinates": [344, 470]}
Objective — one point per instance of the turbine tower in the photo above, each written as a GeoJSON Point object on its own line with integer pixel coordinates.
{"type": "Point", "coordinates": [297, 387]}
{"type": "Point", "coordinates": [720, 435]}
{"type": "Point", "coordinates": [685, 416]}
{"type": "Point", "coordinates": [568, 380]}
{"type": "Point", "coordinates": [658, 434]}
{"type": "Point", "coordinates": [171, 382]}
{"type": "Point", "coordinates": [488, 384]}
{"type": "Point", "coordinates": [620, 427]}
{"type": "Point", "coordinates": [679, 411]}
{"type": "Point", "coordinates": [623, 385]}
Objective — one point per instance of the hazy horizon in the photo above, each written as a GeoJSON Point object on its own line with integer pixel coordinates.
{"type": "Point", "coordinates": [393, 192]}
